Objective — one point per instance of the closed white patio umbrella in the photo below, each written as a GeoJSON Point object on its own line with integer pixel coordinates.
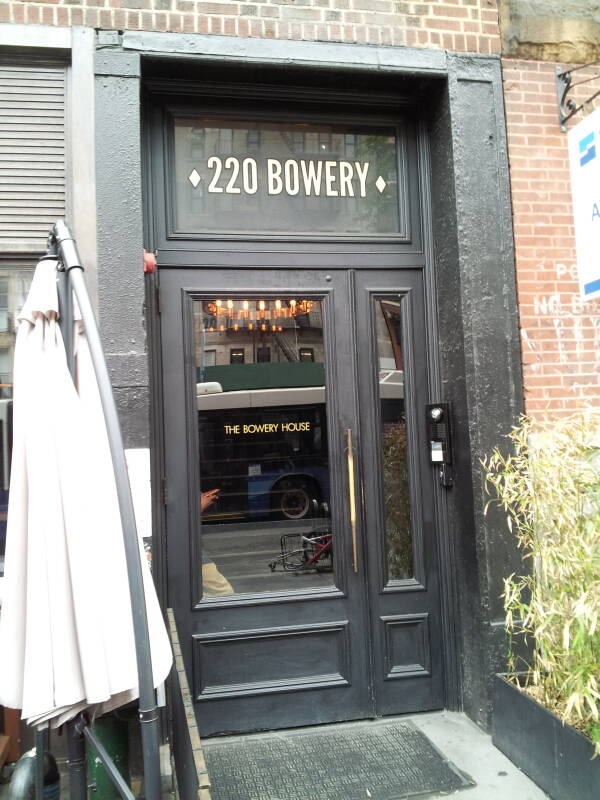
{"type": "Point", "coordinates": [66, 630]}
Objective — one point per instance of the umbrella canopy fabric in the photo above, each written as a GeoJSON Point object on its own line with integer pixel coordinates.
{"type": "Point", "coordinates": [66, 630]}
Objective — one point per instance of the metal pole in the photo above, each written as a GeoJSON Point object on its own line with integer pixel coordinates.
{"type": "Point", "coordinates": [77, 758]}
{"type": "Point", "coordinates": [65, 320]}
{"type": "Point", "coordinates": [75, 741]}
{"type": "Point", "coordinates": [40, 747]}
{"type": "Point", "coordinates": [148, 710]}
{"type": "Point", "coordinates": [42, 738]}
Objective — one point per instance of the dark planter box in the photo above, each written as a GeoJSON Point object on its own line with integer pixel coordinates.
{"type": "Point", "coordinates": [556, 756]}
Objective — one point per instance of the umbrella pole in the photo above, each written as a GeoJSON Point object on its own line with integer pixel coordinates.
{"type": "Point", "coordinates": [41, 739]}
{"type": "Point", "coordinates": [77, 758]}
{"type": "Point", "coordinates": [148, 710]}
{"type": "Point", "coordinates": [65, 303]}
{"type": "Point", "coordinates": [75, 740]}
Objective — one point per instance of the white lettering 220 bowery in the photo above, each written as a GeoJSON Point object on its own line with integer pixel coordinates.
{"type": "Point", "coordinates": [292, 177]}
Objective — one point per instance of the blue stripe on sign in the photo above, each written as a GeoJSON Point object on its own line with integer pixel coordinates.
{"type": "Point", "coordinates": [588, 149]}
{"type": "Point", "coordinates": [593, 286]}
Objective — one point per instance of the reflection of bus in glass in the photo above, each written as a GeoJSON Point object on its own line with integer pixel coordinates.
{"type": "Point", "coordinates": [265, 449]}
{"type": "Point", "coordinates": [5, 456]}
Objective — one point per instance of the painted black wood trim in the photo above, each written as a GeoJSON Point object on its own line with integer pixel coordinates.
{"type": "Point", "coordinates": [414, 449]}
{"type": "Point", "coordinates": [163, 173]}
{"type": "Point", "coordinates": [416, 452]}
{"type": "Point", "coordinates": [404, 137]}
{"type": "Point", "coordinates": [193, 447]}
{"type": "Point", "coordinates": [337, 463]}
{"type": "Point", "coordinates": [326, 681]}
{"type": "Point", "coordinates": [269, 598]}
{"type": "Point", "coordinates": [321, 255]}
{"type": "Point", "coordinates": [159, 548]}
{"type": "Point", "coordinates": [175, 90]}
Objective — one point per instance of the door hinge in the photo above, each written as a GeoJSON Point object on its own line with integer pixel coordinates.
{"type": "Point", "coordinates": [164, 496]}
{"type": "Point", "coordinates": [157, 300]}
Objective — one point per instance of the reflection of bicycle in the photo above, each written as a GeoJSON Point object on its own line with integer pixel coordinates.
{"type": "Point", "coordinates": [301, 552]}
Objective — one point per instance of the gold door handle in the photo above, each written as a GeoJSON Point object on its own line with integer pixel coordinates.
{"type": "Point", "coordinates": [352, 489]}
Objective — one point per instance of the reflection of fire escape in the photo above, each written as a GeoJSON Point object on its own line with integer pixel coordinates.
{"type": "Point", "coordinates": [286, 346]}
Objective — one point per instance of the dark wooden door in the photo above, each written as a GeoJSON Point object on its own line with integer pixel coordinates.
{"type": "Point", "coordinates": [401, 543]}
{"type": "Point", "coordinates": [301, 542]}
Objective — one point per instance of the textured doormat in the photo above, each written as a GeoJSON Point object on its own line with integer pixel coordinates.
{"type": "Point", "coordinates": [362, 761]}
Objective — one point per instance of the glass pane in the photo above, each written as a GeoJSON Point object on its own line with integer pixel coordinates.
{"type": "Point", "coordinates": [14, 285]}
{"type": "Point", "coordinates": [264, 462]}
{"type": "Point", "coordinates": [244, 177]}
{"type": "Point", "coordinates": [390, 365]}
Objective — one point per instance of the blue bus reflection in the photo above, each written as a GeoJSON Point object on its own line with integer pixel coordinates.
{"type": "Point", "coordinates": [266, 451]}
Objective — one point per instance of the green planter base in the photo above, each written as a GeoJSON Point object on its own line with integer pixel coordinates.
{"type": "Point", "coordinates": [114, 735]}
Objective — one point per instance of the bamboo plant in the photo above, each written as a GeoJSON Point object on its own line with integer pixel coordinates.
{"type": "Point", "coordinates": [549, 486]}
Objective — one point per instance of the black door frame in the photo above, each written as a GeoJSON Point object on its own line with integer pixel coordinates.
{"type": "Point", "coordinates": [325, 252]}
{"type": "Point", "coordinates": [461, 98]}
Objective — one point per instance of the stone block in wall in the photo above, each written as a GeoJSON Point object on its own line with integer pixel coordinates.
{"type": "Point", "coordinates": [551, 30]}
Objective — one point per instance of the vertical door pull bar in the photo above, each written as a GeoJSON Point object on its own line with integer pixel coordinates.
{"type": "Point", "coordinates": [352, 489]}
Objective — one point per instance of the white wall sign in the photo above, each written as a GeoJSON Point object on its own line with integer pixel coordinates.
{"type": "Point", "coordinates": [584, 158]}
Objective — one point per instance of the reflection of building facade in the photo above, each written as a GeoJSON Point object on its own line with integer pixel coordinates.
{"type": "Point", "coordinates": [270, 158]}
{"type": "Point", "coordinates": [248, 333]}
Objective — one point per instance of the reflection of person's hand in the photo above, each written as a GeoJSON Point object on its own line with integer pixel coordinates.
{"type": "Point", "coordinates": [208, 498]}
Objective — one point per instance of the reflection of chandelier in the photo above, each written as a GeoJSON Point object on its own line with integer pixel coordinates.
{"type": "Point", "coordinates": [253, 315]}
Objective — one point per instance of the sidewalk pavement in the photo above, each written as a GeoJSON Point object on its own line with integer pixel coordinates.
{"type": "Point", "coordinates": [472, 751]}
{"type": "Point", "coordinates": [463, 743]}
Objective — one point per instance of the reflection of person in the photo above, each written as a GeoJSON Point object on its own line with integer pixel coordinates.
{"type": "Point", "coordinates": [208, 498]}
{"type": "Point", "coordinates": [213, 582]}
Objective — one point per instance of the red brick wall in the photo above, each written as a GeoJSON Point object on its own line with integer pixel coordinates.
{"type": "Point", "coordinates": [560, 333]}
{"type": "Point", "coordinates": [461, 25]}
